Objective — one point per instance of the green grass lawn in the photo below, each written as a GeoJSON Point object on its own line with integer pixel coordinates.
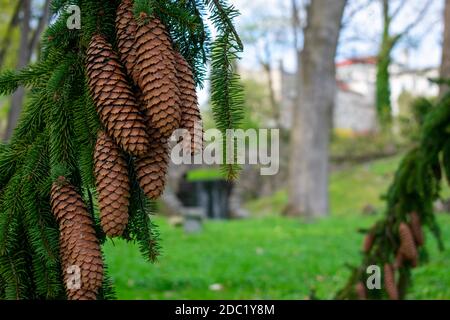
{"type": "Point", "coordinates": [350, 189]}
{"type": "Point", "coordinates": [270, 257]}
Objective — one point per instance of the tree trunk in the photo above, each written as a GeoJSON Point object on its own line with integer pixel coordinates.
{"type": "Point", "coordinates": [273, 102]}
{"type": "Point", "coordinates": [24, 49]}
{"type": "Point", "coordinates": [9, 32]}
{"type": "Point", "coordinates": [309, 163]}
{"type": "Point", "coordinates": [43, 21]}
{"type": "Point", "coordinates": [445, 65]}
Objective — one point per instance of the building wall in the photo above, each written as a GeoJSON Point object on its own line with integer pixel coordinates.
{"type": "Point", "coordinates": [355, 98]}
{"type": "Point", "coordinates": [353, 110]}
{"type": "Point", "coordinates": [415, 82]}
{"type": "Point", "coordinates": [359, 77]}
{"type": "Point", "coordinates": [354, 113]}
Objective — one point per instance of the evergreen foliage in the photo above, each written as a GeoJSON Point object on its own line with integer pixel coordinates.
{"type": "Point", "coordinates": [225, 50]}
{"type": "Point", "coordinates": [57, 131]}
{"type": "Point", "coordinates": [415, 188]}
{"type": "Point", "coordinates": [383, 90]}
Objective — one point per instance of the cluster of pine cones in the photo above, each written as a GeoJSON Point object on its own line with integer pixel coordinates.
{"type": "Point", "coordinates": [142, 94]}
{"type": "Point", "coordinates": [411, 237]}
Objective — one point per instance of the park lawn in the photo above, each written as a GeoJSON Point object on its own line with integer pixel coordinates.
{"type": "Point", "coordinates": [351, 189]}
{"type": "Point", "coordinates": [271, 257]}
{"type": "Point", "coordinates": [263, 258]}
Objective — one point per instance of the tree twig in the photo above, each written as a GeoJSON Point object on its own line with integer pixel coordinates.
{"type": "Point", "coordinates": [418, 18]}
{"type": "Point", "coordinates": [354, 12]}
{"type": "Point", "coordinates": [398, 9]}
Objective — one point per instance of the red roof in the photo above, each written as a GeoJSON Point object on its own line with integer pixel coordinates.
{"type": "Point", "coordinates": [363, 60]}
{"type": "Point", "coordinates": [342, 85]}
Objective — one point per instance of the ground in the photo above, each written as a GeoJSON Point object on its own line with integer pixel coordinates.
{"type": "Point", "coordinates": [270, 257]}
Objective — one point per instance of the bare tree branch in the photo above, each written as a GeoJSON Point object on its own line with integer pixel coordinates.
{"type": "Point", "coordinates": [398, 9]}
{"type": "Point", "coordinates": [349, 16]}
{"type": "Point", "coordinates": [419, 17]}
{"type": "Point", "coordinates": [357, 38]}
{"type": "Point", "coordinates": [295, 23]}
{"type": "Point", "coordinates": [427, 30]}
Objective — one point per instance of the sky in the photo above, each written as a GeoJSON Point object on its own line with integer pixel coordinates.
{"type": "Point", "coordinates": [359, 37]}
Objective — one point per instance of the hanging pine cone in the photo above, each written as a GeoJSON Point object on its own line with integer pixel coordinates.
{"type": "Point", "coordinates": [79, 246]}
{"type": "Point", "coordinates": [190, 113]}
{"type": "Point", "coordinates": [389, 282]}
{"type": "Point", "coordinates": [368, 242]}
{"type": "Point", "coordinates": [407, 244]}
{"type": "Point", "coordinates": [157, 77]}
{"type": "Point", "coordinates": [126, 28]}
{"type": "Point", "coordinates": [113, 185]}
{"type": "Point", "coordinates": [416, 228]}
{"type": "Point", "coordinates": [151, 170]}
{"type": "Point", "coordinates": [398, 260]}
{"type": "Point", "coordinates": [114, 98]}
{"type": "Point", "coordinates": [360, 290]}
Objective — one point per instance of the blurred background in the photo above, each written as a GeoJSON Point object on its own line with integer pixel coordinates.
{"type": "Point", "coordinates": [348, 84]}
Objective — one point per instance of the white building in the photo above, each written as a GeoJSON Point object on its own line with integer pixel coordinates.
{"type": "Point", "coordinates": [416, 82]}
{"type": "Point", "coordinates": [355, 97]}
{"type": "Point", "coordinates": [354, 109]}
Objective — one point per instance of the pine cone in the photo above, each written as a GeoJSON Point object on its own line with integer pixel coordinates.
{"type": "Point", "coordinates": [79, 245]}
{"type": "Point", "coordinates": [360, 290]}
{"type": "Point", "coordinates": [157, 78]}
{"type": "Point", "coordinates": [407, 244]}
{"type": "Point", "coordinates": [398, 260]}
{"type": "Point", "coordinates": [190, 113]}
{"type": "Point", "coordinates": [113, 185]}
{"type": "Point", "coordinates": [389, 282]}
{"type": "Point", "coordinates": [114, 98]}
{"type": "Point", "coordinates": [151, 170]}
{"type": "Point", "coordinates": [416, 228]}
{"type": "Point", "coordinates": [126, 28]}
{"type": "Point", "coordinates": [368, 242]}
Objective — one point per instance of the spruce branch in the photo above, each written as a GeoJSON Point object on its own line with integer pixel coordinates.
{"type": "Point", "coordinates": [226, 14]}
{"type": "Point", "coordinates": [415, 188]}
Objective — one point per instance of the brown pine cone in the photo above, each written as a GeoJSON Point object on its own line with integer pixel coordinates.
{"type": "Point", "coordinates": [407, 244]}
{"type": "Point", "coordinates": [79, 246]}
{"type": "Point", "coordinates": [114, 98]}
{"type": "Point", "coordinates": [113, 185]}
{"type": "Point", "coordinates": [157, 78]}
{"type": "Point", "coordinates": [398, 260]}
{"type": "Point", "coordinates": [368, 242]}
{"type": "Point", "coordinates": [416, 228]}
{"type": "Point", "coordinates": [190, 113]}
{"type": "Point", "coordinates": [389, 282]}
{"type": "Point", "coordinates": [360, 290]}
{"type": "Point", "coordinates": [126, 28]}
{"type": "Point", "coordinates": [151, 170]}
